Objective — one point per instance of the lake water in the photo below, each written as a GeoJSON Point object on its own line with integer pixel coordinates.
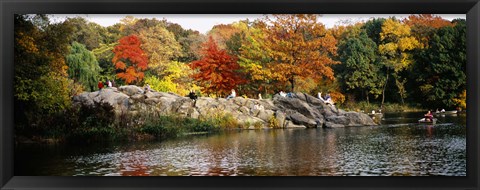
{"type": "Point", "coordinates": [399, 146]}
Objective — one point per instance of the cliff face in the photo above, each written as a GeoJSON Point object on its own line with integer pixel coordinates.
{"type": "Point", "coordinates": [302, 110]}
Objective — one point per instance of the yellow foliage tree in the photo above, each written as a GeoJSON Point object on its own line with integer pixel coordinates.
{"type": "Point", "coordinates": [396, 43]}
{"type": "Point", "coordinates": [461, 101]}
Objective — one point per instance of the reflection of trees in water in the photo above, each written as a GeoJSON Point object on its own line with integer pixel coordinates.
{"type": "Point", "coordinates": [135, 165]}
{"type": "Point", "coordinates": [134, 162]}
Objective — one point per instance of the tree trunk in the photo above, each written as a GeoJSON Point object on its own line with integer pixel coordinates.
{"type": "Point", "coordinates": [384, 87]}
{"type": "Point", "coordinates": [292, 81]}
{"type": "Point", "coordinates": [368, 100]}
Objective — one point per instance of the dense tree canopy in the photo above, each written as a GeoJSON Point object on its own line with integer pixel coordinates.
{"type": "Point", "coordinates": [41, 79]}
{"type": "Point", "coordinates": [419, 60]}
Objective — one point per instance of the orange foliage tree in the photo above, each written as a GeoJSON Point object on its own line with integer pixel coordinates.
{"type": "Point", "coordinates": [217, 70]}
{"type": "Point", "coordinates": [300, 48]}
{"type": "Point", "coordinates": [130, 59]}
{"type": "Point", "coordinates": [423, 25]}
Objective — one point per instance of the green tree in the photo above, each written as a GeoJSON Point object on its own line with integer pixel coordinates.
{"type": "Point", "coordinates": [104, 55]}
{"type": "Point", "coordinates": [83, 66]}
{"type": "Point", "coordinates": [88, 33]}
{"type": "Point", "coordinates": [360, 73]}
{"type": "Point", "coordinates": [441, 73]}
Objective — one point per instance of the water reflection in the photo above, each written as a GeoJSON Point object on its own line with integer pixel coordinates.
{"type": "Point", "coordinates": [399, 147]}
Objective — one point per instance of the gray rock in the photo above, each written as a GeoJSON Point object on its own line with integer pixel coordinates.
{"type": "Point", "coordinates": [130, 90]}
{"type": "Point", "coordinates": [152, 101]}
{"type": "Point", "coordinates": [248, 121]}
{"type": "Point", "coordinates": [240, 101]}
{"type": "Point", "coordinates": [138, 98]}
{"type": "Point", "coordinates": [244, 110]}
{"type": "Point", "coordinates": [290, 124]}
{"type": "Point", "coordinates": [338, 120]}
{"type": "Point", "coordinates": [265, 115]}
{"type": "Point", "coordinates": [297, 105]}
{"type": "Point", "coordinates": [300, 111]}
{"type": "Point", "coordinates": [333, 125]}
{"type": "Point", "coordinates": [280, 117]}
{"type": "Point", "coordinates": [359, 119]}
{"type": "Point", "coordinates": [299, 119]}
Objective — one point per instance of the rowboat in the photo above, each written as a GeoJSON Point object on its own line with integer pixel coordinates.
{"type": "Point", "coordinates": [447, 112]}
{"type": "Point", "coordinates": [433, 121]}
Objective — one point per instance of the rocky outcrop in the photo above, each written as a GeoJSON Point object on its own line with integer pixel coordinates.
{"type": "Point", "coordinates": [299, 111]}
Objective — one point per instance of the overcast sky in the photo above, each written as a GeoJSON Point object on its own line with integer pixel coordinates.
{"type": "Point", "coordinates": [204, 22]}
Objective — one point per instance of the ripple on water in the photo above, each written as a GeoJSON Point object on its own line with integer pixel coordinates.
{"type": "Point", "coordinates": [379, 151]}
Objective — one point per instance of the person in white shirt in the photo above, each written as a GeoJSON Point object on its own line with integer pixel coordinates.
{"type": "Point", "coordinates": [232, 95]}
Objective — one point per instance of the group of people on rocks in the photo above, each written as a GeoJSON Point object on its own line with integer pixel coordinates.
{"type": "Point", "coordinates": [105, 84]}
{"type": "Point", "coordinates": [327, 99]}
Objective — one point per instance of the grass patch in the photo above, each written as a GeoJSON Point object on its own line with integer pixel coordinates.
{"type": "Point", "coordinates": [387, 107]}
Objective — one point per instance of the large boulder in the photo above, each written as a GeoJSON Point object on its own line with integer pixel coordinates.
{"type": "Point", "coordinates": [299, 111]}
{"type": "Point", "coordinates": [295, 104]}
{"type": "Point", "coordinates": [359, 119]}
{"type": "Point", "coordinates": [300, 119]}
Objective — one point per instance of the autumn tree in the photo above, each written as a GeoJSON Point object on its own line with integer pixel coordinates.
{"type": "Point", "coordinates": [254, 59]}
{"type": "Point", "coordinates": [396, 43]}
{"type": "Point", "coordinates": [41, 80]}
{"type": "Point", "coordinates": [130, 60]}
{"type": "Point", "coordinates": [160, 46]}
{"type": "Point", "coordinates": [423, 25]}
{"type": "Point", "coordinates": [83, 66]}
{"type": "Point", "coordinates": [216, 72]}
{"type": "Point", "coordinates": [176, 79]}
{"type": "Point", "coordinates": [300, 47]}
{"type": "Point", "coordinates": [189, 40]}
{"type": "Point", "coordinates": [221, 33]}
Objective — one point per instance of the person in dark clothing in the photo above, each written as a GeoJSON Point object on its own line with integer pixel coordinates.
{"type": "Point", "coordinates": [193, 96]}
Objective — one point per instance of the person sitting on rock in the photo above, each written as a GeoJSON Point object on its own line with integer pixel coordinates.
{"type": "Point", "coordinates": [193, 97]}
{"type": "Point", "coordinates": [328, 99]}
{"type": "Point", "coordinates": [100, 85]}
{"type": "Point", "coordinates": [147, 88]}
{"type": "Point", "coordinates": [320, 97]}
{"type": "Point", "coordinates": [283, 94]}
{"type": "Point", "coordinates": [289, 95]}
{"type": "Point", "coordinates": [109, 83]}
{"type": "Point", "coordinates": [259, 96]}
{"type": "Point", "coordinates": [232, 95]}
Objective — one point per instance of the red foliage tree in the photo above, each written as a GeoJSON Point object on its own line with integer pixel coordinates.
{"type": "Point", "coordinates": [130, 59]}
{"type": "Point", "coordinates": [217, 70]}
